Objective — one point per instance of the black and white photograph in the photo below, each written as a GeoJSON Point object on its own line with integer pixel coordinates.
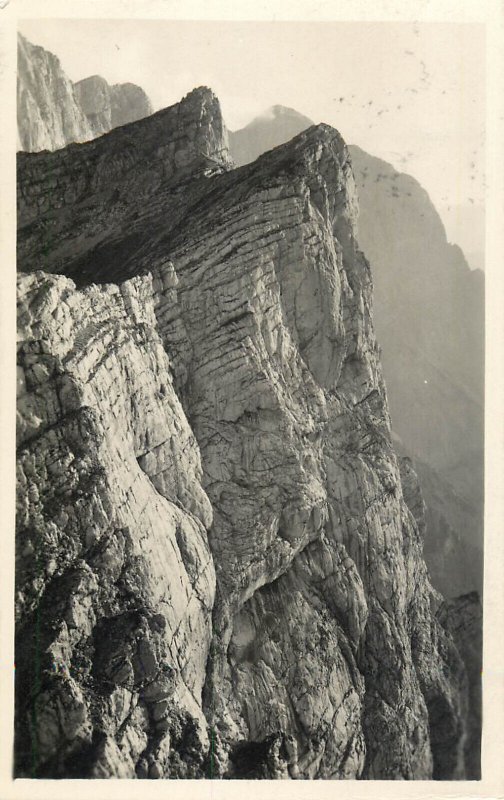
{"type": "Point", "coordinates": [250, 512]}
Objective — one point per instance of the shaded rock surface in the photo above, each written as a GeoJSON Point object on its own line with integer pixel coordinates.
{"type": "Point", "coordinates": [53, 112]}
{"type": "Point", "coordinates": [232, 330]}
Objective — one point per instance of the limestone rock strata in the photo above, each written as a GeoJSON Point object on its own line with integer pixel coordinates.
{"type": "Point", "coordinates": [326, 658]}
{"type": "Point", "coordinates": [101, 197]}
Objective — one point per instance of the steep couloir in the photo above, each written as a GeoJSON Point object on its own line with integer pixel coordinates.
{"type": "Point", "coordinates": [218, 573]}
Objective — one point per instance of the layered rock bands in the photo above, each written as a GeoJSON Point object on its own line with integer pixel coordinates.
{"type": "Point", "coordinates": [218, 572]}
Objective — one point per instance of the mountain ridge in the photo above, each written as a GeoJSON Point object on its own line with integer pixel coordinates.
{"type": "Point", "coordinates": [212, 526]}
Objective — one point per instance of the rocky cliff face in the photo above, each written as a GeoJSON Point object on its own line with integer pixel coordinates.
{"type": "Point", "coordinates": [429, 318]}
{"type": "Point", "coordinates": [48, 114]}
{"type": "Point", "coordinates": [53, 112]}
{"type": "Point", "coordinates": [115, 581]}
{"type": "Point", "coordinates": [218, 571]}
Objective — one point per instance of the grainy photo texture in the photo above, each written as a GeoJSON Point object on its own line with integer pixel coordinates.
{"type": "Point", "coordinates": [250, 400]}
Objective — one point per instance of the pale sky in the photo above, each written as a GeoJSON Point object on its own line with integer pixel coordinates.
{"type": "Point", "coordinates": [410, 93]}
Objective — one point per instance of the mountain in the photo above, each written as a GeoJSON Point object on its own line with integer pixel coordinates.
{"type": "Point", "coordinates": [425, 290]}
{"type": "Point", "coordinates": [275, 126]}
{"type": "Point", "coordinates": [48, 114]}
{"type": "Point", "coordinates": [429, 320]}
{"type": "Point", "coordinates": [107, 107]}
{"type": "Point", "coordinates": [218, 571]}
{"type": "Point", "coordinates": [53, 112]}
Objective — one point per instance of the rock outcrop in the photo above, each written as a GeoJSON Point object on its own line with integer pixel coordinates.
{"type": "Point", "coordinates": [218, 573]}
{"type": "Point", "coordinates": [52, 112]}
{"type": "Point", "coordinates": [115, 581]}
{"type": "Point", "coordinates": [48, 114]}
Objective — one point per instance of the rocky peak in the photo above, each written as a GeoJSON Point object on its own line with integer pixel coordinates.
{"type": "Point", "coordinates": [48, 114]}
{"type": "Point", "coordinates": [122, 173]}
{"type": "Point", "coordinates": [53, 112]}
{"type": "Point", "coordinates": [107, 107]}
